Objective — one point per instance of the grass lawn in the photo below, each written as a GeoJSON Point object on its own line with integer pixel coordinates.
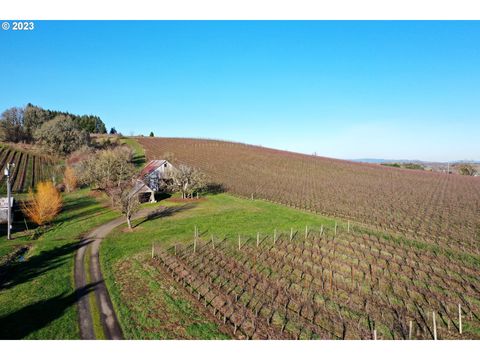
{"type": "Point", "coordinates": [37, 298]}
{"type": "Point", "coordinates": [147, 303]}
{"type": "Point", "coordinates": [139, 158]}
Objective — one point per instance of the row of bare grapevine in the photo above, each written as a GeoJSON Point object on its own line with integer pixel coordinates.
{"type": "Point", "coordinates": [439, 209]}
{"type": "Point", "coordinates": [328, 285]}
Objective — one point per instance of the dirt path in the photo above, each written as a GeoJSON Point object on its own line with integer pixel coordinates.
{"type": "Point", "coordinates": [92, 242]}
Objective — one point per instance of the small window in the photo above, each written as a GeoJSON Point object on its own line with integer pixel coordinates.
{"type": "Point", "coordinates": [165, 165]}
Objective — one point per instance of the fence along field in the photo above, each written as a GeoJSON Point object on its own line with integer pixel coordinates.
{"type": "Point", "coordinates": [434, 208]}
{"type": "Point", "coordinates": [327, 284]}
{"type": "Point", "coordinates": [29, 169]}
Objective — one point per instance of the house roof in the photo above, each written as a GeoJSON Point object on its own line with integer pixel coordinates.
{"type": "Point", "coordinates": [152, 166]}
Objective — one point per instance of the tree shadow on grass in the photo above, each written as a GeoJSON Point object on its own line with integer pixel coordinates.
{"type": "Point", "coordinates": [17, 273]}
{"type": "Point", "coordinates": [166, 212]}
{"type": "Point", "coordinates": [78, 203]}
{"type": "Point", "coordinates": [23, 322]}
{"type": "Point", "coordinates": [138, 160]}
{"type": "Point", "coordinates": [214, 188]}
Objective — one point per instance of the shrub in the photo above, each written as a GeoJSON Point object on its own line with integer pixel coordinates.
{"type": "Point", "coordinates": [43, 205]}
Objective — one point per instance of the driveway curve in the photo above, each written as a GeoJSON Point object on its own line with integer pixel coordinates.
{"type": "Point", "coordinates": [91, 242]}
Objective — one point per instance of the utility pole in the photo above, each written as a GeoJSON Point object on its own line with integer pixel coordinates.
{"type": "Point", "coordinates": [9, 196]}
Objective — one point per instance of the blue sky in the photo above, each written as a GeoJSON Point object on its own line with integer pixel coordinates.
{"type": "Point", "coordinates": [408, 90]}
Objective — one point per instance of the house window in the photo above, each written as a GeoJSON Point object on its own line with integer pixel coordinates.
{"type": "Point", "coordinates": [165, 165]}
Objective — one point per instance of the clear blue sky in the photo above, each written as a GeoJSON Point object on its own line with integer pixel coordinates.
{"type": "Point", "coordinates": [341, 89]}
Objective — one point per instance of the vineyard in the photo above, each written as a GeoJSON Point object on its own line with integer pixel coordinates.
{"type": "Point", "coordinates": [29, 169]}
{"type": "Point", "coordinates": [439, 209]}
{"type": "Point", "coordinates": [327, 284]}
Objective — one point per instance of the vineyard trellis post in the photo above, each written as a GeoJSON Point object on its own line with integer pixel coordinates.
{"type": "Point", "coordinates": [306, 231]}
{"type": "Point", "coordinates": [274, 236]}
{"type": "Point", "coordinates": [175, 249]}
{"type": "Point", "coordinates": [410, 330]}
{"type": "Point", "coordinates": [9, 195]}
{"type": "Point", "coordinates": [348, 226]}
{"type": "Point", "coordinates": [239, 241]}
{"type": "Point", "coordinates": [213, 243]}
{"type": "Point", "coordinates": [374, 334]}
{"type": "Point", "coordinates": [195, 240]}
{"type": "Point", "coordinates": [434, 326]}
{"type": "Point", "coordinates": [460, 318]}
{"type": "Point", "coordinates": [153, 250]}
{"type": "Point", "coordinates": [291, 234]}
{"type": "Point", "coordinates": [258, 238]}
{"type": "Point", "coordinates": [335, 228]}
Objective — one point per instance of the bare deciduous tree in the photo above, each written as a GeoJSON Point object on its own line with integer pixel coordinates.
{"type": "Point", "coordinates": [129, 205]}
{"type": "Point", "coordinates": [187, 180]}
{"type": "Point", "coordinates": [124, 199]}
{"type": "Point", "coordinates": [107, 168]}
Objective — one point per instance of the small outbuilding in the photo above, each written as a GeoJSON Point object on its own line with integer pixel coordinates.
{"type": "Point", "coordinates": [156, 174]}
{"type": "Point", "coordinates": [4, 210]}
{"type": "Point", "coordinates": [143, 191]}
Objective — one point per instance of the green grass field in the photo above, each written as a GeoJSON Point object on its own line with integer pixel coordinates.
{"type": "Point", "coordinates": [139, 157]}
{"type": "Point", "coordinates": [37, 298]}
{"type": "Point", "coordinates": [148, 304]}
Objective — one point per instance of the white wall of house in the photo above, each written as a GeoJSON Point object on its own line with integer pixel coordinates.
{"type": "Point", "coordinates": [152, 179]}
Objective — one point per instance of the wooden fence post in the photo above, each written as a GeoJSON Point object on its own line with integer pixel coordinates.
{"type": "Point", "coordinates": [410, 330]}
{"type": "Point", "coordinates": [153, 250]}
{"type": "Point", "coordinates": [175, 249]}
{"type": "Point", "coordinates": [258, 238]}
{"type": "Point", "coordinates": [460, 318]}
{"type": "Point", "coordinates": [213, 243]}
{"type": "Point", "coordinates": [434, 326]}
{"type": "Point", "coordinates": [291, 234]}
{"type": "Point", "coordinates": [335, 228]}
{"type": "Point", "coordinates": [348, 226]}
{"type": "Point", "coordinates": [274, 236]}
{"type": "Point", "coordinates": [239, 240]}
{"type": "Point", "coordinates": [194, 245]}
{"type": "Point", "coordinates": [374, 334]}
{"type": "Point", "coordinates": [306, 231]}
{"type": "Point", "coordinates": [321, 230]}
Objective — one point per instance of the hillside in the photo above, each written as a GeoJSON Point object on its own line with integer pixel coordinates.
{"type": "Point", "coordinates": [438, 208]}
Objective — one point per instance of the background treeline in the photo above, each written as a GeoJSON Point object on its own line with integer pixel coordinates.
{"type": "Point", "coordinates": [19, 124]}
{"type": "Point", "coordinates": [56, 131]}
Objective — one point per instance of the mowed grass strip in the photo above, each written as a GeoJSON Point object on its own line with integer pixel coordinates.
{"type": "Point", "coordinates": [141, 297]}
{"type": "Point", "coordinates": [37, 297]}
{"type": "Point", "coordinates": [156, 307]}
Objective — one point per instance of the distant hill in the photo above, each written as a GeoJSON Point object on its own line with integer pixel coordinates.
{"type": "Point", "coordinates": [380, 161]}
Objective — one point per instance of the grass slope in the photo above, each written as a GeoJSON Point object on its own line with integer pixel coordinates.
{"type": "Point", "coordinates": [139, 157]}
{"type": "Point", "coordinates": [147, 304]}
{"type": "Point", "coordinates": [37, 298]}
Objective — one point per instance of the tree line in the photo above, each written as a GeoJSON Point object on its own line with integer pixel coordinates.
{"type": "Point", "coordinates": [60, 132]}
